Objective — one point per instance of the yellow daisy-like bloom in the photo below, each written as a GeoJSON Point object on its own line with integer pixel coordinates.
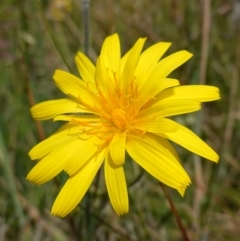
{"type": "Point", "coordinates": [120, 105]}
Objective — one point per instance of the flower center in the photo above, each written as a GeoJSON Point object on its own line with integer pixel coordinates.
{"type": "Point", "coordinates": [119, 118]}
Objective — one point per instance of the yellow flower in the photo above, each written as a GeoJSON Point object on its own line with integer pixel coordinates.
{"type": "Point", "coordinates": [120, 105]}
{"type": "Point", "coordinates": [58, 9]}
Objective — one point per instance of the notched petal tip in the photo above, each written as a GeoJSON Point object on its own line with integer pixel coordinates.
{"type": "Point", "coordinates": [57, 73]}
{"type": "Point", "coordinates": [30, 153]}
{"type": "Point", "coordinates": [122, 212]}
{"type": "Point", "coordinates": [116, 186]}
{"type": "Point", "coordinates": [31, 178]}
{"type": "Point", "coordinates": [78, 55]}
{"type": "Point", "coordinates": [182, 189]}
{"type": "Point", "coordinates": [56, 214]}
{"type": "Point", "coordinates": [31, 156]}
{"type": "Point", "coordinates": [216, 95]}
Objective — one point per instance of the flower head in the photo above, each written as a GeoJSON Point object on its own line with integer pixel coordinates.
{"type": "Point", "coordinates": [58, 8]}
{"type": "Point", "coordinates": [120, 105]}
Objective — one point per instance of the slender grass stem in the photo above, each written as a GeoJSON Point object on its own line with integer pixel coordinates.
{"type": "Point", "coordinates": [86, 27]}
{"type": "Point", "coordinates": [175, 213]}
{"type": "Point", "coordinates": [199, 191]}
{"type": "Point", "coordinates": [85, 13]}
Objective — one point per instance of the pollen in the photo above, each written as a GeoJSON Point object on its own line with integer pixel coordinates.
{"type": "Point", "coordinates": [119, 119]}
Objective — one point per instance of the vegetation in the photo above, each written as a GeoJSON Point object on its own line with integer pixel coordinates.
{"type": "Point", "coordinates": [37, 37]}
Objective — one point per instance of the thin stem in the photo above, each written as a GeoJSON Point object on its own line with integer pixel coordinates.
{"type": "Point", "coordinates": [138, 177]}
{"type": "Point", "coordinates": [30, 94]}
{"type": "Point", "coordinates": [205, 40]}
{"type": "Point", "coordinates": [199, 191]}
{"type": "Point", "coordinates": [86, 32]}
{"type": "Point", "coordinates": [175, 213]}
{"type": "Point", "coordinates": [85, 12]}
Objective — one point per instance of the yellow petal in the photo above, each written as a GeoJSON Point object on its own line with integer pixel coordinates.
{"type": "Point", "coordinates": [155, 125]}
{"type": "Point", "coordinates": [117, 148]}
{"type": "Point", "coordinates": [53, 142]}
{"type": "Point", "coordinates": [149, 91]}
{"type": "Point", "coordinates": [170, 108]}
{"type": "Point", "coordinates": [78, 119]}
{"type": "Point", "coordinates": [170, 63]}
{"type": "Point", "coordinates": [53, 163]}
{"type": "Point", "coordinates": [131, 63]}
{"type": "Point", "coordinates": [76, 186]}
{"type": "Point", "coordinates": [153, 156]}
{"type": "Point", "coordinates": [148, 60]}
{"type": "Point", "coordinates": [167, 147]}
{"type": "Point", "coordinates": [202, 93]}
{"type": "Point", "coordinates": [187, 139]}
{"type": "Point", "coordinates": [73, 86]}
{"type": "Point", "coordinates": [112, 53]}
{"type": "Point", "coordinates": [123, 61]}
{"type": "Point", "coordinates": [102, 78]}
{"type": "Point", "coordinates": [152, 86]}
{"type": "Point", "coordinates": [85, 67]}
{"type": "Point", "coordinates": [49, 109]}
{"type": "Point", "coordinates": [84, 151]}
{"type": "Point", "coordinates": [116, 186]}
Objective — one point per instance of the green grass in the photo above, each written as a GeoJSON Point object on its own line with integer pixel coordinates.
{"type": "Point", "coordinates": [33, 45]}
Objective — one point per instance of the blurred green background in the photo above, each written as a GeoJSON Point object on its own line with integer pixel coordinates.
{"type": "Point", "coordinates": [36, 39]}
